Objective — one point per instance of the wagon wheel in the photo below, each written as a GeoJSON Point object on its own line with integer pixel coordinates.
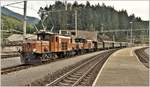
{"type": "Point", "coordinates": [44, 56]}
{"type": "Point", "coordinates": [54, 56]}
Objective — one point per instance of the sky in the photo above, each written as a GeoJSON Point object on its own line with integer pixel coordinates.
{"type": "Point", "coordinates": [139, 7]}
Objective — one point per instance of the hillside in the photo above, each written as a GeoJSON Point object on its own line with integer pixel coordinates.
{"type": "Point", "coordinates": [30, 20]}
{"type": "Point", "coordinates": [12, 25]}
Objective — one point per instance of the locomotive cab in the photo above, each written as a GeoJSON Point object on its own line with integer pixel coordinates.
{"type": "Point", "coordinates": [80, 42]}
{"type": "Point", "coordinates": [43, 36]}
{"type": "Point", "coordinates": [47, 46]}
{"type": "Point", "coordinates": [32, 50]}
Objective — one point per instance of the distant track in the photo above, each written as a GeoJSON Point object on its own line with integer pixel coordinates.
{"type": "Point", "coordinates": [143, 57]}
{"type": "Point", "coordinates": [9, 55]}
{"type": "Point", "coordinates": [14, 68]}
{"type": "Point", "coordinates": [23, 66]}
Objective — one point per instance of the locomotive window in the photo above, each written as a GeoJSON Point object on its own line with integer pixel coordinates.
{"type": "Point", "coordinates": [46, 37]}
{"type": "Point", "coordinates": [71, 40]}
{"type": "Point", "coordinates": [56, 39]}
{"type": "Point", "coordinates": [64, 46]}
{"type": "Point", "coordinates": [43, 37]}
{"type": "Point", "coordinates": [40, 37]}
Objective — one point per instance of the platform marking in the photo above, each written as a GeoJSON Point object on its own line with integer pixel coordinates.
{"type": "Point", "coordinates": [118, 52]}
{"type": "Point", "coordinates": [94, 83]}
{"type": "Point", "coordinates": [115, 53]}
{"type": "Point", "coordinates": [131, 52]}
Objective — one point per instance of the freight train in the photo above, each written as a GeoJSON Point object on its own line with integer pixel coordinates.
{"type": "Point", "coordinates": [50, 46]}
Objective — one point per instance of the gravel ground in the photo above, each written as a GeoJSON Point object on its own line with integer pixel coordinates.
{"type": "Point", "coordinates": [10, 62]}
{"type": "Point", "coordinates": [23, 77]}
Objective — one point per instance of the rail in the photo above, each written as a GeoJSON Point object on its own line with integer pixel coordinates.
{"type": "Point", "coordinates": [143, 57]}
{"type": "Point", "coordinates": [82, 74]}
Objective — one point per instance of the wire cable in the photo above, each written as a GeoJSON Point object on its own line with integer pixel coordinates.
{"type": "Point", "coordinates": [14, 7]}
{"type": "Point", "coordinates": [13, 3]}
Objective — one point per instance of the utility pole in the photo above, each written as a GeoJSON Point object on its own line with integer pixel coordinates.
{"type": "Point", "coordinates": [92, 27]}
{"type": "Point", "coordinates": [24, 23]}
{"type": "Point", "coordinates": [127, 36]}
{"type": "Point", "coordinates": [102, 29]}
{"type": "Point", "coordinates": [76, 23]}
{"type": "Point", "coordinates": [143, 38]}
{"type": "Point", "coordinates": [113, 37]}
{"type": "Point", "coordinates": [131, 33]}
{"type": "Point", "coordinates": [65, 5]}
{"type": "Point", "coordinates": [66, 15]}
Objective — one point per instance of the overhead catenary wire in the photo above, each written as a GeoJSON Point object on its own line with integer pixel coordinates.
{"type": "Point", "coordinates": [13, 3]}
{"type": "Point", "coordinates": [124, 30]}
{"type": "Point", "coordinates": [15, 7]}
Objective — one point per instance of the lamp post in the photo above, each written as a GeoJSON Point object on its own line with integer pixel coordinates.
{"type": "Point", "coordinates": [131, 33]}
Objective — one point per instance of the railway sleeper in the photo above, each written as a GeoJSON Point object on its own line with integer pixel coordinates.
{"type": "Point", "coordinates": [85, 82]}
{"type": "Point", "coordinates": [75, 76]}
{"type": "Point", "coordinates": [62, 84]}
{"type": "Point", "coordinates": [71, 78]}
{"type": "Point", "coordinates": [69, 81]}
{"type": "Point", "coordinates": [88, 76]}
{"type": "Point", "coordinates": [85, 79]}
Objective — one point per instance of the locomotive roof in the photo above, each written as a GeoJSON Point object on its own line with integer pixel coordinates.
{"type": "Point", "coordinates": [45, 32]}
{"type": "Point", "coordinates": [107, 41]}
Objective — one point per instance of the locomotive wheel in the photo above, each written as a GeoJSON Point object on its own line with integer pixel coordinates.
{"type": "Point", "coordinates": [45, 57]}
{"type": "Point", "coordinates": [54, 56]}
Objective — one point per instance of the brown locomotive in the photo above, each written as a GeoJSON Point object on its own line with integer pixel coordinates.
{"type": "Point", "coordinates": [50, 46]}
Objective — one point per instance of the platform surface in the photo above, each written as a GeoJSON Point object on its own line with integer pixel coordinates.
{"type": "Point", "coordinates": [123, 69]}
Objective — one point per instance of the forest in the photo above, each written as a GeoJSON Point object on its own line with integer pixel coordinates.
{"type": "Point", "coordinates": [61, 16]}
{"type": "Point", "coordinates": [91, 18]}
{"type": "Point", "coordinates": [11, 24]}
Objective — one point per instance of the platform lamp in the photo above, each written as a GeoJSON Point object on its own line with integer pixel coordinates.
{"type": "Point", "coordinates": [131, 33]}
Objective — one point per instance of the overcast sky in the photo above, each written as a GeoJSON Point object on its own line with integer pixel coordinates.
{"type": "Point", "coordinates": [139, 8]}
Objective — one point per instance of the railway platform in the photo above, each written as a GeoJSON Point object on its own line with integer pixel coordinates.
{"type": "Point", "coordinates": [123, 68]}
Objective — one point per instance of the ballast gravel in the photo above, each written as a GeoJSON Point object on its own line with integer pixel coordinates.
{"type": "Point", "coordinates": [26, 76]}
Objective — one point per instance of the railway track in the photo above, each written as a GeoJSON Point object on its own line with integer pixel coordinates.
{"type": "Point", "coordinates": [143, 57]}
{"type": "Point", "coordinates": [84, 74]}
{"type": "Point", "coordinates": [10, 55]}
{"type": "Point", "coordinates": [25, 66]}
{"type": "Point", "coordinates": [14, 68]}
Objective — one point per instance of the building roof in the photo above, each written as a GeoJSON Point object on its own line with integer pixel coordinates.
{"type": "Point", "coordinates": [19, 37]}
{"type": "Point", "coordinates": [86, 34]}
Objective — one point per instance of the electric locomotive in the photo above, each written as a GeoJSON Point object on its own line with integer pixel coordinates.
{"type": "Point", "coordinates": [47, 46]}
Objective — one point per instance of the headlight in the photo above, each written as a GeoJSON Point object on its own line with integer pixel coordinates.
{"type": "Point", "coordinates": [34, 50]}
